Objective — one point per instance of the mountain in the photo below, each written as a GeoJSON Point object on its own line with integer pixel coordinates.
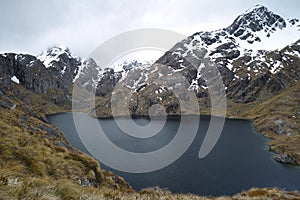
{"type": "Point", "coordinates": [245, 67]}
{"type": "Point", "coordinates": [259, 27]}
{"type": "Point", "coordinates": [245, 54]}
{"type": "Point", "coordinates": [242, 55]}
{"type": "Point", "coordinates": [253, 67]}
{"type": "Point", "coordinates": [50, 74]}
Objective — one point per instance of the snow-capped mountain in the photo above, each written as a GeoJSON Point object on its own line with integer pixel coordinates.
{"type": "Point", "coordinates": [117, 73]}
{"type": "Point", "coordinates": [93, 77]}
{"type": "Point", "coordinates": [131, 63]}
{"type": "Point", "coordinates": [257, 57]}
{"type": "Point", "coordinates": [55, 54]}
{"type": "Point", "coordinates": [53, 72]}
{"type": "Point", "coordinates": [258, 51]}
{"type": "Point", "coordinates": [250, 49]}
{"type": "Point", "coordinates": [60, 58]}
{"type": "Point", "coordinates": [258, 28]}
{"type": "Point", "coordinates": [241, 52]}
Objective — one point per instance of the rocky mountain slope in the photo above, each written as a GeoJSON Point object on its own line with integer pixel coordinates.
{"type": "Point", "coordinates": [50, 74]}
{"type": "Point", "coordinates": [253, 67]}
{"type": "Point", "coordinates": [242, 55]}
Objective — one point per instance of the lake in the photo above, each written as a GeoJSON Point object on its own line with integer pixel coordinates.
{"type": "Point", "coordinates": [240, 159]}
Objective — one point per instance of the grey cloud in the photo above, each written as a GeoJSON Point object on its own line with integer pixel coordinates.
{"type": "Point", "coordinates": [30, 26]}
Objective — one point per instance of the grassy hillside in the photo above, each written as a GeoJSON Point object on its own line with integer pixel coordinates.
{"type": "Point", "coordinates": [279, 119]}
{"type": "Point", "coordinates": [35, 158]}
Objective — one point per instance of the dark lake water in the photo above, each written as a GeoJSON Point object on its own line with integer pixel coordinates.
{"type": "Point", "coordinates": [240, 159]}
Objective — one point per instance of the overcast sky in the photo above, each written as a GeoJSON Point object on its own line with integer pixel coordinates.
{"type": "Point", "coordinates": [33, 25]}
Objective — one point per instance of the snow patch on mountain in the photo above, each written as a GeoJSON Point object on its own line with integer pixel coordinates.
{"type": "Point", "coordinates": [51, 55]}
{"type": "Point", "coordinates": [283, 37]}
{"type": "Point", "coordinates": [15, 79]}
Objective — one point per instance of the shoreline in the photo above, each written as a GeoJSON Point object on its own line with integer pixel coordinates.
{"type": "Point", "coordinates": [286, 160]}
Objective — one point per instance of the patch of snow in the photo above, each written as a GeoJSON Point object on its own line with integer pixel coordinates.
{"type": "Point", "coordinates": [30, 64]}
{"type": "Point", "coordinates": [275, 67]}
{"type": "Point", "coordinates": [178, 70]}
{"type": "Point", "coordinates": [154, 70]}
{"type": "Point", "coordinates": [283, 37]}
{"type": "Point", "coordinates": [64, 70]}
{"type": "Point", "coordinates": [293, 53]}
{"type": "Point", "coordinates": [15, 79]}
{"type": "Point", "coordinates": [236, 76]}
{"type": "Point", "coordinates": [229, 66]}
{"type": "Point", "coordinates": [79, 72]}
{"type": "Point", "coordinates": [52, 54]}
{"type": "Point", "coordinates": [194, 85]}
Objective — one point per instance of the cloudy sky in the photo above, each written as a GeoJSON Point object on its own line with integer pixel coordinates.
{"type": "Point", "coordinates": [30, 26]}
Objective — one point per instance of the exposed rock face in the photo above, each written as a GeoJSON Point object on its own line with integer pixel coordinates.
{"type": "Point", "coordinates": [107, 82]}
{"type": "Point", "coordinates": [246, 71]}
{"type": "Point", "coordinates": [53, 78]}
{"type": "Point", "coordinates": [88, 75]}
{"type": "Point", "coordinates": [61, 64]}
{"type": "Point", "coordinates": [256, 19]}
{"type": "Point", "coordinates": [109, 77]}
{"type": "Point", "coordinates": [284, 158]}
{"type": "Point", "coordinates": [129, 65]}
{"type": "Point", "coordinates": [35, 76]}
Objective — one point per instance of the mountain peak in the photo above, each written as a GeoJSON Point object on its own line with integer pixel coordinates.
{"type": "Point", "coordinates": [55, 50]}
{"type": "Point", "coordinates": [54, 53]}
{"type": "Point", "coordinates": [258, 18]}
{"type": "Point", "coordinates": [257, 8]}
